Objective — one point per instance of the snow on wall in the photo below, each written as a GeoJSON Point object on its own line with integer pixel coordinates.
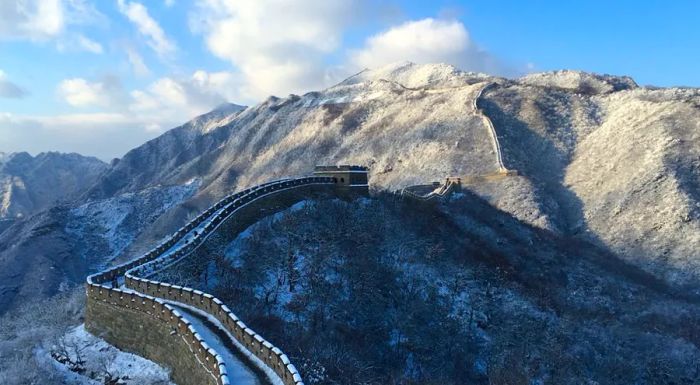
{"type": "Point", "coordinates": [147, 296]}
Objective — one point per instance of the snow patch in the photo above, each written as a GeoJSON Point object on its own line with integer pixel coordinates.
{"type": "Point", "coordinates": [271, 375]}
{"type": "Point", "coordinates": [101, 361]}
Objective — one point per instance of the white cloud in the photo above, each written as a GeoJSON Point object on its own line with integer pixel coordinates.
{"type": "Point", "coordinates": [169, 3]}
{"type": "Point", "coordinates": [105, 135]}
{"type": "Point", "coordinates": [9, 89]}
{"type": "Point", "coordinates": [223, 83]}
{"type": "Point", "coordinates": [79, 42]}
{"type": "Point", "coordinates": [176, 100]}
{"type": "Point", "coordinates": [130, 118]}
{"type": "Point", "coordinates": [31, 19]}
{"type": "Point", "coordinates": [83, 121]}
{"type": "Point", "coordinates": [42, 20]}
{"type": "Point", "coordinates": [278, 47]}
{"type": "Point", "coordinates": [153, 127]}
{"type": "Point", "coordinates": [136, 61]}
{"type": "Point", "coordinates": [426, 41]}
{"type": "Point", "coordinates": [79, 92]}
{"type": "Point", "coordinates": [166, 102]}
{"type": "Point", "coordinates": [83, 12]}
{"type": "Point", "coordinates": [90, 45]}
{"type": "Point", "coordinates": [138, 14]}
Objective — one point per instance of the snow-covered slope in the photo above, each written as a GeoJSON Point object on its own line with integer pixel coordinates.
{"type": "Point", "coordinates": [618, 167]}
{"type": "Point", "coordinates": [638, 178]}
{"type": "Point", "coordinates": [597, 156]}
{"type": "Point", "coordinates": [30, 184]}
{"type": "Point", "coordinates": [408, 133]}
{"type": "Point", "coordinates": [581, 82]}
{"type": "Point", "coordinates": [175, 157]}
{"type": "Point", "coordinates": [409, 75]}
{"type": "Point", "coordinates": [565, 132]}
{"type": "Point", "coordinates": [55, 249]}
{"type": "Point", "coordinates": [100, 362]}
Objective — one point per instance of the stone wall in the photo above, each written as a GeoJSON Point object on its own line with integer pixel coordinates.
{"type": "Point", "coordinates": [140, 320]}
{"type": "Point", "coordinates": [150, 337]}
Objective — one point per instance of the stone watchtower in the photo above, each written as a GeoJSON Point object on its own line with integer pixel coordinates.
{"type": "Point", "coordinates": [347, 175]}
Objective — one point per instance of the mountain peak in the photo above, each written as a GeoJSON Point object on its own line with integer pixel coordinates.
{"type": "Point", "coordinates": [228, 108]}
{"type": "Point", "coordinates": [580, 81]}
{"type": "Point", "coordinates": [413, 75]}
{"type": "Point", "coordinates": [220, 115]}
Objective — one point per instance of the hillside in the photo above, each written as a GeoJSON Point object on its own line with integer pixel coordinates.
{"type": "Point", "coordinates": [29, 184]}
{"type": "Point", "coordinates": [598, 156]}
{"type": "Point", "coordinates": [54, 250]}
{"type": "Point", "coordinates": [588, 149]}
{"type": "Point", "coordinates": [615, 164]}
{"type": "Point", "coordinates": [177, 156]}
{"type": "Point", "coordinates": [387, 291]}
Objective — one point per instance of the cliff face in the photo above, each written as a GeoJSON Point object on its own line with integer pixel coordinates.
{"type": "Point", "coordinates": [598, 157]}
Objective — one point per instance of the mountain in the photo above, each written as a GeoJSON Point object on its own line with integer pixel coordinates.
{"type": "Point", "coordinates": [30, 184]}
{"type": "Point", "coordinates": [597, 158]}
{"type": "Point", "coordinates": [391, 291]}
{"type": "Point", "coordinates": [612, 162]}
{"type": "Point", "coordinates": [175, 157]}
{"type": "Point", "coordinates": [55, 250]}
{"type": "Point", "coordinates": [596, 155]}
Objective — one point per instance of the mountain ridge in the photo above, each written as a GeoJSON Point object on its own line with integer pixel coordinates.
{"type": "Point", "coordinates": [29, 184]}
{"type": "Point", "coordinates": [551, 130]}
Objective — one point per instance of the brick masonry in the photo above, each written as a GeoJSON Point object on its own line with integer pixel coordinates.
{"type": "Point", "coordinates": [141, 322]}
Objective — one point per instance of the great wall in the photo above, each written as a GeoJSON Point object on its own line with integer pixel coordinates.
{"type": "Point", "coordinates": [140, 315]}
{"type": "Point", "coordinates": [492, 130]}
{"type": "Point", "coordinates": [439, 191]}
{"type": "Point", "coordinates": [147, 317]}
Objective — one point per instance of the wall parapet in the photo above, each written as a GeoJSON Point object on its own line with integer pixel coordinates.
{"type": "Point", "coordinates": [149, 297]}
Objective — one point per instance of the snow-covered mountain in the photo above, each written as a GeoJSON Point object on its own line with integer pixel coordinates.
{"type": "Point", "coordinates": [55, 249]}
{"type": "Point", "coordinates": [609, 161]}
{"type": "Point", "coordinates": [30, 184]}
{"type": "Point", "coordinates": [598, 157]}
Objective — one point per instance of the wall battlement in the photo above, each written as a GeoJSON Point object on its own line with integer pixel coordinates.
{"type": "Point", "coordinates": [137, 317]}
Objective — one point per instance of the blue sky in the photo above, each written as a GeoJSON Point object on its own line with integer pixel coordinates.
{"type": "Point", "coordinates": [102, 77]}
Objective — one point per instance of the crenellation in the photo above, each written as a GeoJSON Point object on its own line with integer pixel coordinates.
{"type": "Point", "coordinates": [245, 207]}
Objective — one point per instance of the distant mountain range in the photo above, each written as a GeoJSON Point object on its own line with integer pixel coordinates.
{"type": "Point", "coordinates": [597, 157]}
{"type": "Point", "coordinates": [29, 184]}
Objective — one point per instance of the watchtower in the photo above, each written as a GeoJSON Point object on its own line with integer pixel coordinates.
{"type": "Point", "coordinates": [347, 175]}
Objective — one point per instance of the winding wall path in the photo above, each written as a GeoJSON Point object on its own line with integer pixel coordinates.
{"type": "Point", "coordinates": [453, 183]}
{"type": "Point", "coordinates": [489, 124]}
{"type": "Point", "coordinates": [132, 312]}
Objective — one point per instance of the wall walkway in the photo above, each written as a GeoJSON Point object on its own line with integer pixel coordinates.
{"type": "Point", "coordinates": [131, 311]}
